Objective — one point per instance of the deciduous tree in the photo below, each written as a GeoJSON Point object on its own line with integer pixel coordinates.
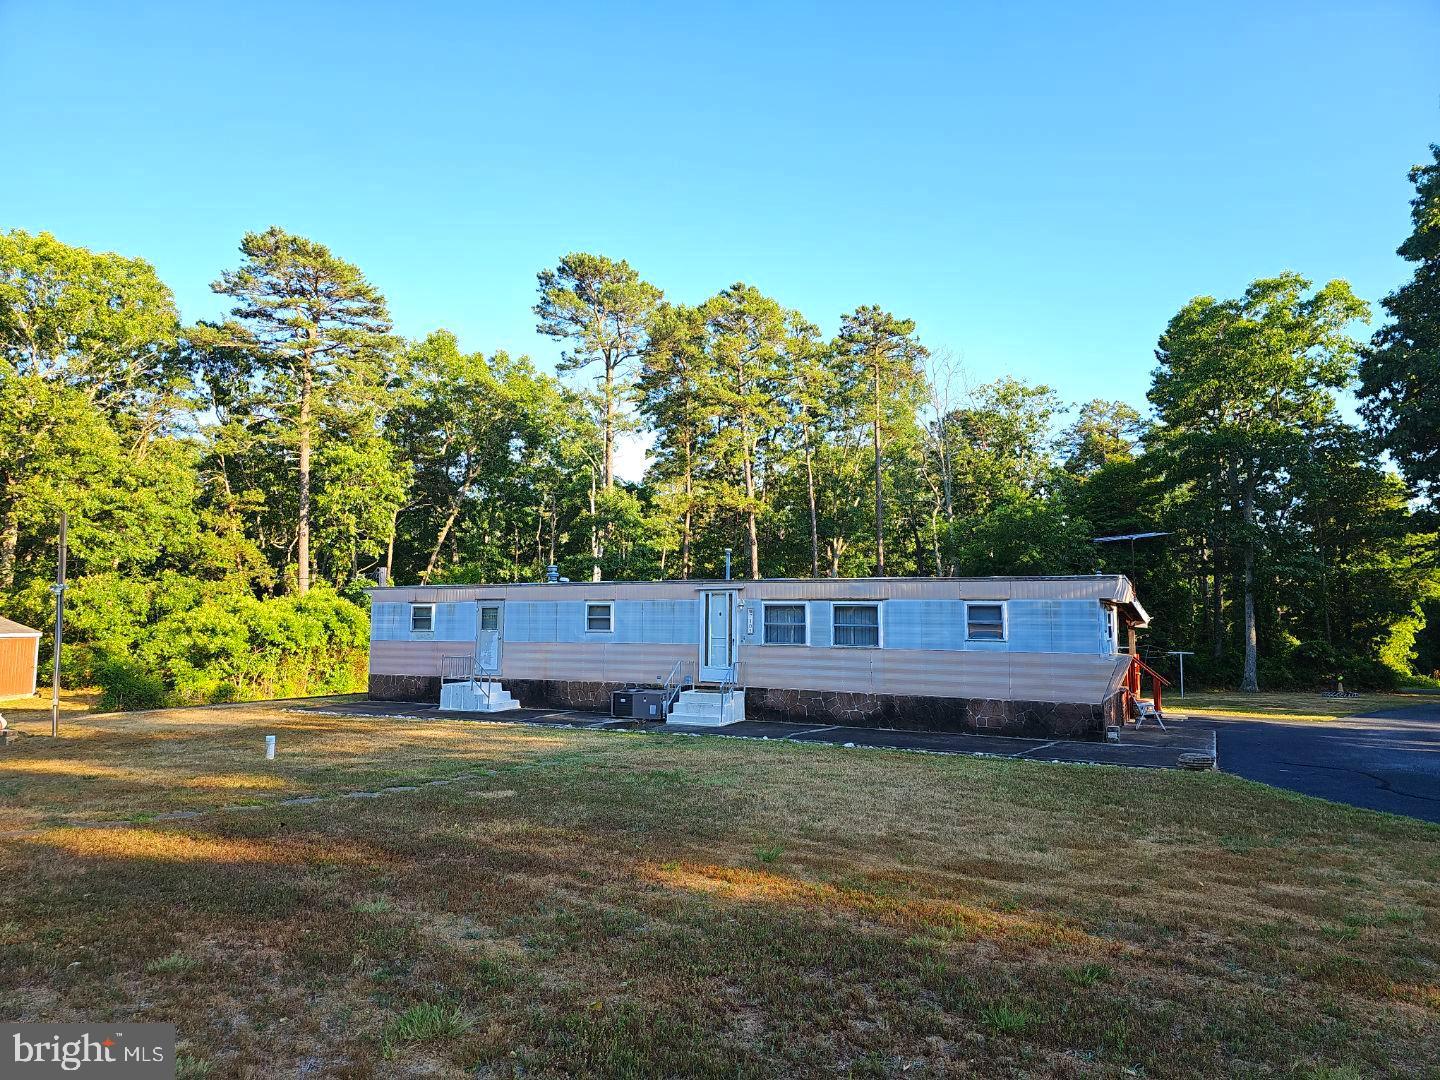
{"type": "Point", "coordinates": [1400, 371]}
{"type": "Point", "coordinates": [1241, 386]}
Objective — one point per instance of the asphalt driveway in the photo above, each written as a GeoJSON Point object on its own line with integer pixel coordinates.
{"type": "Point", "coordinates": [1388, 761]}
{"type": "Point", "coordinates": [1148, 748]}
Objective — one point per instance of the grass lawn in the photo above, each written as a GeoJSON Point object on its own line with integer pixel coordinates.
{"type": "Point", "coordinates": [33, 712]}
{"type": "Point", "coordinates": [1288, 705]}
{"type": "Point", "coordinates": [584, 903]}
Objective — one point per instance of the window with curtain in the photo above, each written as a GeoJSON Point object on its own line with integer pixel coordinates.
{"type": "Point", "coordinates": [784, 624]}
{"type": "Point", "coordinates": [857, 625]}
{"type": "Point", "coordinates": [985, 622]}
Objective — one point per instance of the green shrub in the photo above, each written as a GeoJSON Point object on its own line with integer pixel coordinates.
{"type": "Point", "coordinates": [175, 641]}
{"type": "Point", "coordinates": [123, 685]}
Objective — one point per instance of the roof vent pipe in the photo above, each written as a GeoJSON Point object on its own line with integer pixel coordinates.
{"type": "Point", "coordinates": [552, 574]}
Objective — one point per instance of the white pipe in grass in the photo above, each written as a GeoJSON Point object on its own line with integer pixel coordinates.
{"type": "Point", "coordinates": [269, 747]}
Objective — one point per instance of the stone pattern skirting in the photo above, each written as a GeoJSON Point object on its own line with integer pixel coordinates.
{"type": "Point", "coordinates": [909, 712]}
{"type": "Point", "coordinates": [405, 688]}
{"type": "Point", "coordinates": [531, 693]}
{"type": "Point", "coordinates": [916, 713]}
{"type": "Point", "coordinates": [554, 694]}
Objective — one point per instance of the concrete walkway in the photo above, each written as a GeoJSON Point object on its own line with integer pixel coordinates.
{"type": "Point", "coordinates": [1147, 748]}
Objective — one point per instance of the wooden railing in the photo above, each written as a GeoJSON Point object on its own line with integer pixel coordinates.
{"type": "Point", "coordinates": [1138, 669]}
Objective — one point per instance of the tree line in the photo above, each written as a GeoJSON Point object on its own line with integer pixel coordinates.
{"type": "Point", "coordinates": [298, 443]}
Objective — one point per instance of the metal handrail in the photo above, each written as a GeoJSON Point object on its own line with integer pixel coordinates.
{"type": "Point", "coordinates": [470, 669]}
{"type": "Point", "coordinates": [486, 677]}
{"type": "Point", "coordinates": [730, 684]}
{"type": "Point", "coordinates": [456, 668]}
{"type": "Point", "coordinates": [674, 683]}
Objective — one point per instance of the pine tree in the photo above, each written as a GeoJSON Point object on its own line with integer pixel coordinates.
{"type": "Point", "coordinates": [887, 359]}
{"type": "Point", "coordinates": [669, 390]}
{"type": "Point", "coordinates": [745, 342]}
{"type": "Point", "coordinates": [317, 332]}
{"type": "Point", "coordinates": [601, 307]}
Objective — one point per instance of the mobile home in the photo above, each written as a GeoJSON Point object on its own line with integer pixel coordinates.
{"type": "Point", "coordinates": [1019, 655]}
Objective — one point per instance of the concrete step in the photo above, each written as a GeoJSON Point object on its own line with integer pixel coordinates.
{"type": "Point", "coordinates": [472, 697]}
{"type": "Point", "coordinates": [702, 708]}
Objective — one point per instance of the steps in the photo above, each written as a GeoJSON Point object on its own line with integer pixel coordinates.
{"type": "Point", "coordinates": [708, 708]}
{"type": "Point", "coordinates": [470, 696]}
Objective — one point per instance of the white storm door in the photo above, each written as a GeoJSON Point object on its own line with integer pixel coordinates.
{"type": "Point", "coordinates": [488, 623]}
{"type": "Point", "coordinates": [718, 644]}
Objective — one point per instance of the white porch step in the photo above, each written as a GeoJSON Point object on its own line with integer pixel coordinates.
{"type": "Point", "coordinates": [471, 697]}
{"type": "Point", "coordinates": [707, 708]}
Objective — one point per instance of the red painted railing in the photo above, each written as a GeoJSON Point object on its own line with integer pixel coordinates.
{"type": "Point", "coordinates": [1138, 669]}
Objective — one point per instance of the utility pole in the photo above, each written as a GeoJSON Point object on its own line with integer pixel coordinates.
{"type": "Point", "coordinates": [59, 590]}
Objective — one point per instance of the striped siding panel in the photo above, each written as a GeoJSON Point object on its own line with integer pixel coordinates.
{"type": "Point", "coordinates": [636, 622]}
{"type": "Point", "coordinates": [1035, 626]}
{"type": "Point", "coordinates": [1043, 626]}
{"type": "Point", "coordinates": [882, 671]}
{"type": "Point", "coordinates": [389, 622]}
{"type": "Point", "coordinates": [455, 621]}
{"type": "Point", "coordinates": [657, 622]}
{"type": "Point", "coordinates": [924, 624]}
{"type": "Point", "coordinates": [591, 662]}
{"type": "Point", "coordinates": [452, 622]}
{"type": "Point", "coordinates": [822, 625]}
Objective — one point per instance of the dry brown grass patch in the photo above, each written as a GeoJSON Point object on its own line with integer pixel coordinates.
{"type": "Point", "coordinates": [596, 904]}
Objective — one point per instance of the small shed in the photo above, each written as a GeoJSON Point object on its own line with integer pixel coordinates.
{"type": "Point", "coordinates": [19, 656]}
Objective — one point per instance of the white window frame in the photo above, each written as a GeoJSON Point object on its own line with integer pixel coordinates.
{"type": "Point", "coordinates": [415, 608]}
{"type": "Point", "coordinates": [878, 605]}
{"type": "Point", "coordinates": [1112, 627]}
{"type": "Point", "coordinates": [765, 605]}
{"type": "Point", "coordinates": [480, 619]}
{"type": "Point", "coordinates": [609, 606]}
{"type": "Point", "coordinates": [1004, 607]}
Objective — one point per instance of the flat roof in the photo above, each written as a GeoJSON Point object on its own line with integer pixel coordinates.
{"type": "Point", "coordinates": [741, 581]}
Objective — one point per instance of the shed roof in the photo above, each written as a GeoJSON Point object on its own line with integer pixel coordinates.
{"type": "Point", "coordinates": [11, 628]}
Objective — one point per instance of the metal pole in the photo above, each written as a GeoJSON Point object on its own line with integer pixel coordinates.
{"type": "Point", "coordinates": [59, 629]}
{"type": "Point", "coordinates": [727, 564]}
{"type": "Point", "coordinates": [1180, 654]}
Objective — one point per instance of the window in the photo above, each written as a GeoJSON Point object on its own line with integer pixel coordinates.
{"type": "Point", "coordinates": [489, 618]}
{"type": "Point", "coordinates": [784, 624]}
{"type": "Point", "coordinates": [985, 622]}
{"type": "Point", "coordinates": [600, 617]}
{"type": "Point", "coordinates": [1111, 630]}
{"type": "Point", "coordinates": [422, 618]}
{"type": "Point", "coordinates": [858, 625]}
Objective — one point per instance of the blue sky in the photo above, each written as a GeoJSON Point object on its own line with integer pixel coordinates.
{"type": "Point", "coordinates": [1039, 187]}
